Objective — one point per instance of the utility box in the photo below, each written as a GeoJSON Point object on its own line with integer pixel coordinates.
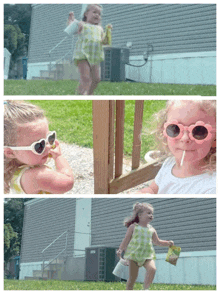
{"type": "Point", "coordinates": [113, 67]}
{"type": "Point", "coordinates": [100, 262]}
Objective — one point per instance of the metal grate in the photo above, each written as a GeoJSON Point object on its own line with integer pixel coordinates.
{"type": "Point", "coordinates": [107, 65]}
{"type": "Point", "coordinates": [113, 67]}
{"type": "Point", "coordinates": [102, 260]}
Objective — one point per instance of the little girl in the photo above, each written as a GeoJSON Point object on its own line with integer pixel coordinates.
{"type": "Point", "coordinates": [137, 244]}
{"type": "Point", "coordinates": [187, 136]}
{"type": "Point", "coordinates": [28, 144]}
{"type": "Point", "coordinates": [89, 52]}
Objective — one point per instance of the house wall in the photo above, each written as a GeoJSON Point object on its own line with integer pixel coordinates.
{"type": "Point", "coordinates": [44, 221]}
{"type": "Point", "coordinates": [190, 222]}
{"type": "Point", "coordinates": [187, 30]}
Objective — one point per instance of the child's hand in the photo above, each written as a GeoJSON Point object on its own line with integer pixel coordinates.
{"type": "Point", "coordinates": [71, 16]}
{"type": "Point", "coordinates": [119, 253]}
{"type": "Point", "coordinates": [110, 26]}
{"type": "Point", "coordinates": [171, 243]}
{"type": "Point", "coordinates": [55, 151]}
{"type": "Point", "coordinates": [80, 27]}
{"type": "Point", "coordinates": [124, 261]}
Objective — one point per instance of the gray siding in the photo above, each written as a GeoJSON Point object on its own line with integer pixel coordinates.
{"type": "Point", "coordinates": [44, 221]}
{"type": "Point", "coordinates": [170, 28]}
{"type": "Point", "coordinates": [189, 222]}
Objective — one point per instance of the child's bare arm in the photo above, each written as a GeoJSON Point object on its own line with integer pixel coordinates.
{"type": "Point", "coordinates": [62, 165]}
{"type": "Point", "coordinates": [126, 240]}
{"type": "Point", "coordinates": [43, 178]}
{"type": "Point", "coordinates": [152, 189]}
{"type": "Point", "coordinates": [160, 242]}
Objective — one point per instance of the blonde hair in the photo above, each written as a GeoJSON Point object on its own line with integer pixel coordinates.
{"type": "Point", "coordinates": [138, 208]}
{"type": "Point", "coordinates": [208, 106]}
{"type": "Point", "coordinates": [16, 113]}
{"type": "Point", "coordinates": [87, 9]}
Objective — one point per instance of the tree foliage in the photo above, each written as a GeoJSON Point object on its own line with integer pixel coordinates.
{"type": "Point", "coordinates": [17, 20]}
{"type": "Point", "coordinates": [13, 224]}
{"type": "Point", "coordinates": [14, 40]}
{"type": "Point", "coordinates": [11, 245]}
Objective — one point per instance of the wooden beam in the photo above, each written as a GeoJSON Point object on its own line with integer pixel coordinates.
{"type": "Point", "coordinates": [101, 145]}
{"type": "Point", "coordinates": [129, 180]}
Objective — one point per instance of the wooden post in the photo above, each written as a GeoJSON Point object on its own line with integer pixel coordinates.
{"type": "Point", "coordinates": [111, 139]}
{"type": "Point", "coordinates": [101, 145]}
{"type": "Point", "coordinates": [119, 137]}
{"type": "Point", "coordinates": [138, 117]}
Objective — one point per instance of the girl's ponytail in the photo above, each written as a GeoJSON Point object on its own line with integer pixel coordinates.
{"type": "Point", "coordinates": [137, 208]}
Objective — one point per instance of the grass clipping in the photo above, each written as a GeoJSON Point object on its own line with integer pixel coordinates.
{"type": "Point", "coordinates": [173, 254]}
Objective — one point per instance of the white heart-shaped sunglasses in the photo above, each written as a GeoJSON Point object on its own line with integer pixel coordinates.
{"type": "Point", "coordinates": [39, 146]}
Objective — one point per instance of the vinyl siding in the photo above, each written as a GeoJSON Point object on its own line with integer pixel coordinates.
{"type": "Point", "coordinates": [44, 221]}
{"type": "Point", "coordinates": [189, 222]}
{"type": "Point", "coordinates": [170, 28]}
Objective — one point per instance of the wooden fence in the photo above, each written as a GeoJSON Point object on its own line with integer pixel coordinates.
{"type": "Point", "coordinates": [108, 143]}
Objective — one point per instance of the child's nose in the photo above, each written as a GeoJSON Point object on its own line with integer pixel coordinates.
{"type": "Point", "coordinates": [185, 136]}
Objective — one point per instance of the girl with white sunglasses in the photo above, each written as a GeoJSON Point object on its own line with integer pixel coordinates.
{"type": "Point", "coordinates": [186, 134]}
{"type": "Point", "coordinates": [28, 144]}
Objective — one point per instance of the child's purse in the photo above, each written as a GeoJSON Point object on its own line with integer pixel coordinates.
{"type": "Point", "coordinates": [72, 28]}
{"type": "Point", "coordinates": [173, 254]}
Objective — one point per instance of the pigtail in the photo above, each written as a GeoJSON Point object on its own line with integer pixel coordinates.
{"type": "Point", "coordinates": [134, 218]}
{"type": "Point", "coordinates": [137, 208]}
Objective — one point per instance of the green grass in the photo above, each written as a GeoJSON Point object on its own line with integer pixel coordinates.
{"type": "Point", "coordinates": [81, 285]}
{"type": "Point", "coordinates": [72, 120]}
{"type": "Point", "coordinates": [68, 87]}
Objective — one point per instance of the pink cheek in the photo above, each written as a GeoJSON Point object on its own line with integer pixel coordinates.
{"type": "Point", "coordinates": [171, 142]}
{"type": "Point", "coordinates": [203, 151]}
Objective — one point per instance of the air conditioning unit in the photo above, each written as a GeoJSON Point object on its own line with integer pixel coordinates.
{"type": "Point", "coordinates": [113, 67]}
{"type": "Point", "coordinates": [100, 262]}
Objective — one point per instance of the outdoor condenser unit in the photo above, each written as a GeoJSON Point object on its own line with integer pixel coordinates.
{"type": "Point", "coordinates": [100, 262]}
{"type": "Point", "coordinates": [113, 67]}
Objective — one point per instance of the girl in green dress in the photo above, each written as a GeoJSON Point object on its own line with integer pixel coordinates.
{"type": "Point", "coordinates": [89, 51]}
{"type": "Point", "coordinates": [138, 244]}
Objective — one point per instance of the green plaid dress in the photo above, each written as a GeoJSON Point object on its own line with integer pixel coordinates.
{"type": "Point", "coordinates": [140, 247]}
{"type": "Point", "coordinates": [89, 45]}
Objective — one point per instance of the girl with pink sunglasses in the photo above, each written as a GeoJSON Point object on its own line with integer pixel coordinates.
{"type": "Point", "coordinates": [186, 134]}
{"type": "Point", "coordinates": [28, 144]}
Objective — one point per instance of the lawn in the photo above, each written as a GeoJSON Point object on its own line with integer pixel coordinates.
{"type": "Point", "coordinates": [78, 285]}
{"type": "Point", "coordinates": [72, 120]}
{"type": "Point", "coordinates": [68, 87]}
